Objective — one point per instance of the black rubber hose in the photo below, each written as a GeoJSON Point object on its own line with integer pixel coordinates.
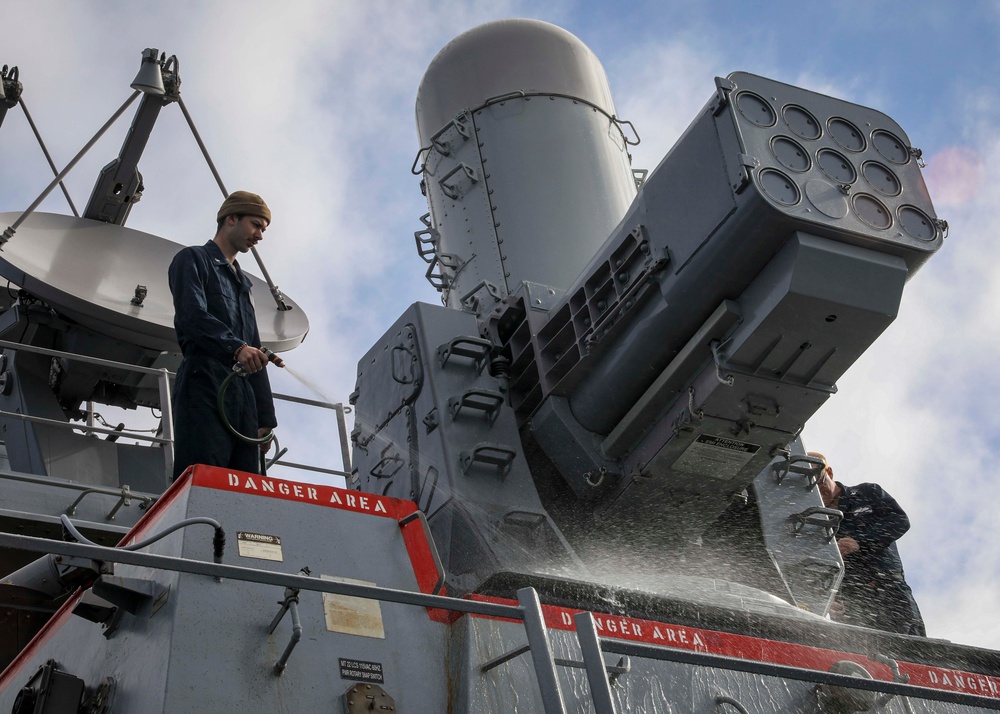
{"type": "Point", "coordinates": [221, 403]}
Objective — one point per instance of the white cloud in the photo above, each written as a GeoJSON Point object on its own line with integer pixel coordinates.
{"type": "Point", "coordinates": [918, 407]}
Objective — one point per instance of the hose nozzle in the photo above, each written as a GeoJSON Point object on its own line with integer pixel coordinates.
{"type": "Point", "coordinates": [273, 358]}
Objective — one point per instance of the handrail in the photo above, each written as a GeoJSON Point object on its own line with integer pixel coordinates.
{"type": "Point", "coordinates": [84, 427]}
{"type": "Point", "coordinates": [314, 469]}
{"type": "Point", "coordinates": [593, 659]}
{"type": "Point", "coordinates": [109, 554]}
{"type": "Point", "coordinates": [767, 669]}
{"type": "Point", "coordinates": [345, 445]}
{"type": "Point", "coordinates": [527, 611]}
{"type": "Point", "coordinates": [82, 358]}
{"type": "Point", "coordinates": [123, 494]}
{"type": "Point", "coordinates": [56, 482]}
{"type": "Point", "coordinates": [162, 375]}
{"type": "Point", "coordinates": [166, 440]}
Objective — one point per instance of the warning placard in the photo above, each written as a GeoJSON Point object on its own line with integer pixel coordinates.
{"type": "Point", "coordinates": [259, 545]}
{"type": "Point", "coordinates": [715, 456]}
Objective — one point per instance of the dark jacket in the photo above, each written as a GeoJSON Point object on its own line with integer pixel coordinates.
{"type": "Point", "coordinates": [874, 519]}
{"type": "Point", "coordinates": [874, 590]}
{"type": "Point", "coordinates": [214, 316]}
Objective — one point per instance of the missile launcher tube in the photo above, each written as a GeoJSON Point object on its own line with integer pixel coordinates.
{"type": "Point", "coordinates": [725, 200]}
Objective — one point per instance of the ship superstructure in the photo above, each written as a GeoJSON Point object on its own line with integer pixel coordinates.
{"type": "Point", "coordinates": [578, 484]}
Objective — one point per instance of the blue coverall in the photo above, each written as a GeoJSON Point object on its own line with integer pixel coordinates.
{"type": "Point", "coordinates": [874, 591]}
{"type": "Point", "coordinates": [214, 316]}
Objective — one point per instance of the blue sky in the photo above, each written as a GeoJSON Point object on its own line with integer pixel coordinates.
{"type": "Point", "coordinates": [310, 103]}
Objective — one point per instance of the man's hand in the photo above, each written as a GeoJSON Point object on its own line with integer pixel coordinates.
{"type": "Point", "coordinates": [847, 545]}
{"type": "Point", "coordinates": [266, 446]}
{"type": "Point", "coordinates": [251, 359]}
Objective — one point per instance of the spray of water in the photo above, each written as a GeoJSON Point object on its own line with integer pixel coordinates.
{"type": "Point", "coordinates": [308, 384]}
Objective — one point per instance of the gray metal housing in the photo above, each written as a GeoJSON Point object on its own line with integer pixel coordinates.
{"type": "Point", "coordinates": [171, 631]}
{"type": "Point", "coordinates": [432, 425]}
{"type": "Point", "coordinates": [525, 164]}
{"type": "Point", "coordinates": [720, 313]}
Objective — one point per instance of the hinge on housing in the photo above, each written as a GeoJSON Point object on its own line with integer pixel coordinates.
{"type": "Point", "coordinates": [427, 239]}
{"type": "Point", "coordinates": [829, 519]}
{"type": "Point", "coordinates": [388, 465]}
{"type": "Point", "coordinates": [442, 147]}
{"type": "Point", "coordinates": [744, 170]}
{"type": "Point", "coordinates": [723, 87]}
{"type": "Point", "coordinates": [801, 464]}
{"type": "Point", "coordinates": [431, 420]}
{"type": "Point", "coordinates": [445, 261]}
{"type": "Point", "coordinates": [473, 302]}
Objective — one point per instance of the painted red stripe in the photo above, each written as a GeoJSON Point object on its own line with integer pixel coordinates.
{"type": "Point", "coordinates": [759, 649]}
{"type": "Point", "coordinates": [239, 482]}
{"type": "Point", "coordinates": [143, 526]}
{"type": "Point", "coordinates": [616, 627]}
{"type": "Point", "coordinates": [418, 548]}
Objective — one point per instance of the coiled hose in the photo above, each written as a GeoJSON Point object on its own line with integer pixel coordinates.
{"type": "Point", "coordinates": [221, 403]}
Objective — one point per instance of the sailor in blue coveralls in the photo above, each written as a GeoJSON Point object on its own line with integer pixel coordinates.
{"type": "Point", "coordinates": [873, 592]}
{"type": "Point", "coordinates": [216, 328]}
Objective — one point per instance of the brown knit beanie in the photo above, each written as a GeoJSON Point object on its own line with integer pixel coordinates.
{"type": "Point", "coordinates": [244, 203]}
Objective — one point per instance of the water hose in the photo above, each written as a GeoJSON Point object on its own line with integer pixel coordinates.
{"type": "Point", "coordinates": [221, 400]}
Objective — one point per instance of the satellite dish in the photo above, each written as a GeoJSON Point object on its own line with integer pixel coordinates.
{"type": "Point", "coordinates": [90, 272]}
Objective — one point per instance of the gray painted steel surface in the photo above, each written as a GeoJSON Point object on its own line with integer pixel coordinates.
{"type": "Point", "coordinates": [196, 643]}
{"type": "Point", "coordinates": [527, 168]}
{"type": "Point", "coordinates": [205, 646]}
{"type": "Point", "coordinates": [505, 56]}
{"type": "Point", "coordinates": [432, 425]}
{"type": "Point", "coordinates": [712, 206]}
{"type": "Point", "coordinates": [577, 431]}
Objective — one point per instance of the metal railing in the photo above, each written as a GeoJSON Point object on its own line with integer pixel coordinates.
{"type": "Point", "coordinates": [345, 444]}
{"type": "Point", "coordinates": [162, 376]}
{"type": "Point", "coordinates": [165, 439]}
{"type": "Point", "coordinates": [528, 611]}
